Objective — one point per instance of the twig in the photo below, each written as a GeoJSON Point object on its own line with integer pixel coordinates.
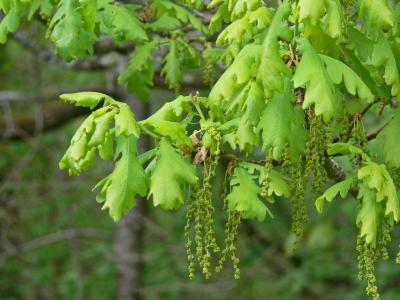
{"type": "Point", "coordinates": [358, 115]}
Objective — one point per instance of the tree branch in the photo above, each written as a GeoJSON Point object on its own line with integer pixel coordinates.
{"type": "Point", "coordinates": [93, 63]}
{"type": "Point", "coordinates": [53, 115]}
{"type": "Point", "coordinates": [51, 238]}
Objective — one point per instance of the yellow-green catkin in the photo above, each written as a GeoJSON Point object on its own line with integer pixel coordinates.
{"type": "Point", "coordinates": [189, 239]}
{"type": "Point", "coordinates": [358, 137]}
{"type": "Point", "coordinates": [358, 134]}
{"type": "Point", "coordinates": [384, 239]}
{"type": "Point", "coordinates": [299, 206]}
{"type": "Point", "coordinates": [265, 180]}
{"type": "Point", "coordinates": [229, 251]}
{"type": "Point", "coordinates": [231, 232]}
{"type": "Point", "coordinates": [209, 68]}
{"type": "Point", "coordinates": [317, 145]}
{"type": "Point", "coordinates": [367, 257]}
{"type": "Point", "coordinates": [201, 244]}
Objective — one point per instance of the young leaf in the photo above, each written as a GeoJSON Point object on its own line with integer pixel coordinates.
{"type": "Point", "coordinates": [346, 149]}
{"type": "Point", "coordinates": [246, 136]}
{"type": "Point", "coordinates": [9, 23]}
{"type": "Point", "coordinates": [377, 178]}
{"type": "Point", "coordinates": [312, 75]}
{"type": "Point", "coordinates": [172, 111]}
{"type": "Point", "coordinates": [277, 184]}
{"type": "Point", "coordinates": [368, 216]}
{"type": "Point", "coordinates": [128, 179]}
{"type": "Point", "coordinates": [240, 7]}
{"type": "Point", "coordinates": [244, 197]}
{"type": "Point", "coordinates": [140, 72]}
{"type": "Point", "coordinates": [312, 11]}
{"type": "Point", "coordinates": [162, 7]}
{"type": "Point", "coordinates": [175, 131]}
{"type": "Point", "coordinates": [90, 135]}
{"type": "Point", "coordinates": [282, 125]}
{"type": "Point", "coordinates": [391, 142]}
{"type": "Point", "coordinates": [378, 14]}
{"type": "Point", "coordinates": [125, 122]}
{"type": "Point", "coordinates": [164, 23]}
{"type": "Point", "coordinates": [243, 29]}
{"type": "Point", "coordinates": [71, 32]}
{"type": "Point", "coordinates": [235, 77]}
{"type": "Point", "coordinates": [85, 99]}
{"type": "Point", "coordinates": [272, 68]}
{"type": "Point", "coordinates": [126, 25]}
{"type": "Point", "coordinates": [342, 188]}
{"type": "Point", "coordinates": [378, 55]}
{"type": "Point", "coordinates": [340, 72]}
{"type": "Point", "coordinates": [167, 179]}
{"type": "Point", "coordinates": [172, 69]}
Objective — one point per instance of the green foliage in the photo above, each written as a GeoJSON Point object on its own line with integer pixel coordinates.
{"type": "Point", "coordinates": [282, 125]}
{"type": "Point", "coordinates": [293, 80]}
{"type": "Point", "coordinates": [339, 72]}
{"type": "Point", "coordinates": [168, 176]}
{"type": "Point", "coordinates": [272, 67]}
{"type": "Point", "coordinates": [72, 29]}
{"type": "Point", "coordinates": [379, 14]}
{"type": "Point", "coordinates": [312, 75]}
{"type": "Point", "coordinates": [327, 14]}
{"type": "Point", "coordinates": [377, 179]}
{"type": "Point", "coordinates": [140, 72]}
{"type": "Point", "coordinates": [85, 99]}
{"type": "Point", "coordinates": [251, 206]}
{"type": "Point", "coordinates": [128, 179]}
{"type": "Point", "coordinates": [368, 216]}
{"type": "Point", "coordinates": [172, 69]}
{"type": "Point", "coordinates": [390, 135]}
{"type": "Point", "coordinates": [342, 188]}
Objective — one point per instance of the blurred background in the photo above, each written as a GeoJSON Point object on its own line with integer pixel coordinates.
{"type": "Point", "coordinates": [56, 243]}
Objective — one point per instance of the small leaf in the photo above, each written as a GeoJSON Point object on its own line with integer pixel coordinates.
{"type": "Point", "coordinates": [128, 179]}
{"type": "Point", "coordinates": [125, 122]}
{"type": "Point", "coordinates": [312, 75]}
{"type": "Point", "coordinates": [277, 184]}
{"type": "Point", "coordinates": [378, 55]}
{"type": "Point", "coordinates": [272, 69]}
{"type": "Point", "coordinates": [244, 197]}
{"type": "Point", "coordinates": [85, 99]}
{"type": "Point", "coordinates": [313, 12]}
{"type": "Point", "coordinates": [342, 188]}
{"type": "Point", "coordinates": [175, 131]}
{"type": "Point", "coordinates": [235, 77]}
{"type": "Point", "coordinates": [171, 171]}
{"type": "Point", "coordinates": [162, 7]}
{"type": "Point", "coordinates": [126, 26]}
{"type": "Point", "coordinates": [282, 125]}
{"type": "Point", "coordinates": [172, 69]}
{"type": "Point", "coordinates": [368, 216]}
{"type": "Point", "coordinates": [346, 149]}
{"type": "Point", "coordinates": [378, 14]}
{"type": "Point", "coordinates": [164, 23]}
{"type": "Point", "coordinates": [377, 178]}
{"type": "Point", "coordinates": [140, 72]}
{"type": "Point", "coordinates": [171, 111]}
{"type": "Point", "coordinates": [340, 72]}
{"type": "Point", "coordinates": [71, 30]}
